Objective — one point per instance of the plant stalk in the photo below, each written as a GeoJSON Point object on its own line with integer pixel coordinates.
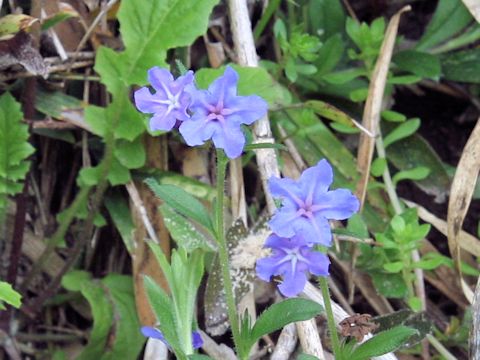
{"type": "Point", "coordinates": [332, 327]}
{"type": "Point", "coordinates": [223, 250]}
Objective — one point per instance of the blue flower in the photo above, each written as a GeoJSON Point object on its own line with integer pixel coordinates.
{"type": "Point", "coordinates": [307, 204]}
{"type": "Point", "coordinates": [170, 101]}
{"type": "Point", "coordinates": [292, 259]}
{"type": "Point", "coordinates": [154, 333]}
{"type": "Point", "coordinates": [218, 113]}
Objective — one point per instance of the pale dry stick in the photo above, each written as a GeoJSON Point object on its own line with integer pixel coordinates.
{"type": "Point", "coordinates": [466, 241]}
{"type": "Point", "coordinates": [312, 293]}
{"type": "Point", "coordinates": [286, 343]}
{"type": "Point", "coordinates": [339, 296]}
{"type": "Point", "coordinates": [138, 203]}
{"type": "Point", "coordinates": [474, 338]}
{"type": "Point", "coordinates": [215, 350]}
{"type": "Point", "coordinates": [461, 192]}
{"type": "Point", "coordinates": [50, 70]}
{"type": "Point", "coordinates": [292, 149]}
{"type": "Point", "coordinates": [474, 7]}
{"type": "Point", "coordinates": [155, 350]}
{"type": "Point", "coordinates": [93, 25]}
{"type": "Point", "coordinates": [310, 339]}
{"type": "Point", "coordinates": [247, 56]}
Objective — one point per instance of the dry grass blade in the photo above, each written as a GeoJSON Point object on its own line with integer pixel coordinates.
{"type": "Point", "coordinates": [474, 7]}
{"type": "Point", "coordinates": [461, 193]}
{"type": "Point", "coordinates": [371, 114]}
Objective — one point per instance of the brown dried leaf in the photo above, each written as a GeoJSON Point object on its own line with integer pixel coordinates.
{"type": "Point", "coordinates": [461, 193]}
{"type": "Point", "coordinates": [19, 50]}
{"type": "Point", "coordinates": [357, 326]}
{"type": "Point", "coordinates": [373, 106]}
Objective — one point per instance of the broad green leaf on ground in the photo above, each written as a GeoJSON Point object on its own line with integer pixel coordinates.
{"type": "Point", "coordinates": [184, 232]}
{"type": "Point", "coordinates": [280, 314]}
{"type": "Point", "coordinates": [326, 16]}
{"type": "Point", "coordinates": [413, 152]}
{"type": "Point", "coordinates": [53, 103]}
{"type": "Point", "coordinates": [111, 67]}
{"type": "Point", "coordinates": [183, 202]}
{"type": "Point", "coordinates": [115, 333]}
{"type": "Point", "coordinates": [418, 63]}
{"type": "Point", "coordinates": [252, 81]}
{"type": "Point", "coordinates": [120, 214]}
{"type": "Point", "coordinates": [192, 186]}
{"type": "Point", "coordinates": [462, 66]}
{"type": "Point", "coordinates": [416, 173]}
{"type": "Point", "coordinates": [329, 55]}
{"type": "Point", "coordinates": [389, 285]}
{"type": "Point", "coordinates": [130, 154]}
{"type": "Point", "coordinates": [330, 112]}
{"type": "Point", "coordinates": [118, 174]}
{"type": "Point", "coordinates": [150, 28]}
{"type": "Point", "coordinates": [450, 17]}
{"type": "Point", "coordinates": [14, 147]}
{"type": "Point", "coordinates": [383, 342]}
{"type": "Point", "coordinates": [9, 295]}
{"type": "Point", "coordinates": [416, 320]}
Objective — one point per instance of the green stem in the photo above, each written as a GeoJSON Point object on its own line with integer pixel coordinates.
{"type": "Point", "coordinates": [269, 11]}
{"type": "Point", "coordinates": [223, 250]}
{"type": "Point", "coordinates": [332, 327]}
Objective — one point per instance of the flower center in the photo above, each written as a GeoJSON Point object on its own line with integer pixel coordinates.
{"type": "Point", "coordinates": [218, 113]}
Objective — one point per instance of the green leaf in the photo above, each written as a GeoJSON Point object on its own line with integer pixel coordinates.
{"type": "Point", "coordinates": [182, 202]}
{"type": "Point", "coordinates": [402, 131]}
{"type": "Point", "coordinates": [418, 63]}
{"type": "Point", "coordinates": [280, 314]}
{"type": "Point", "coordinates": [118, 174]}
{"type": "Point", "coordinates": [164, 309]}
{"type": "Point", "coordinates": [185, 234]}
{"type": "Point", "coordinates": [450, 17]}
{"type": "Point", "coordinates": [73, 280]}
{"type": "Point", "coordinates": [344, 129]}
{"type": "Point", "coordinates": [389, 285]}
{"type": "Point", "coordinates": [393, 116]}
{"type": "Point", "coordinates": [326, 16]}
{"type": "Point", "coordinates": [329, 55]}
{"type": "Point", "coordinates": [462, 66]}
{"type": "Point", "coordinates": [14, 147]}
{"type": "Point", "coordinates": [306, 357]}
{"type": "Point", "coordinates": [130, 154]}
{"type": "Point", "coordinates": [359, 95]}
{"type": "Point", "coordinates": [383, 343]}
{"type": "Point", "coordinates": [120, 214]}
{"type": "Point", "coordinates": [103, 319]}
{"type": "Point", "coordinates": [393, 267]}
{"type": "Point", "coordinates": [55, 103]}
{"type": "Point", "coordinates": [291, 70]}
{"type": "Point", "coordinates": [343, 76]}
{"type": "Point", "coordinates": [143, 25]}
{"type": "Point", "coordinates": [58, 18]}
{"type": "Point", "coordinates": [10, 296]}
{"type": "Point", "coordinates": [413, 152]}
{"type": "Point", "coordinates": [404, 80]}
{"type": "Point", "coordinates": [418, 173]}
{"type": "Point", "coordinates": [330, 112]}
{"type": "Point", "coordinates": [378, 166]}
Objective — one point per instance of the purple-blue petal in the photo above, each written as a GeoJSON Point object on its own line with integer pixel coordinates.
{"type": "Point", "coordinates": [316, 180]}
{"type": "Point", "coordinates": [314, 230]}
{"type": "Point", "coordinates": [247, 109]}
{"type": "Point", "coordinates": [161, 121]}
{"type": "Point", "coordinates": [182, 82]}
{"type": "Point", "coordinates": [318, 262]}
{"type": "Point", "coordinates": [269, 266]}
{"type": "Point", "coordinates": [147, 102]}
{"type": "Point", "coordinates": [338, 204]}
{"type": "Point", "coordinates": [152, 332]}
{"type": "Point", "coordinates": [230, 138]}
{"type": "Point", "coordinates": [282, 222]}
{"type": "Point", "coordinates": [224, 87]}
{"type": "Point", "coordinates": [160, 79]}
{"type": "Point", "coordinates": [285, 189]}
{"type": "Point", "coordinates": [197, 340]}
{"type": "Point", "coordinates": [293, 283]}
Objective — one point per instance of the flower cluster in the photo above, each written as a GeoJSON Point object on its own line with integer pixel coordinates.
{"type": "Point", "coordinates": [302, 222]}
{"type": "Point", "coordinates": [216, 113]}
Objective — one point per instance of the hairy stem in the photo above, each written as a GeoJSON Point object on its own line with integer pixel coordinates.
{"type": "Point", "coordinates": [222, 247]}
{"type": "Point", "coordinates": [330, 319]}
